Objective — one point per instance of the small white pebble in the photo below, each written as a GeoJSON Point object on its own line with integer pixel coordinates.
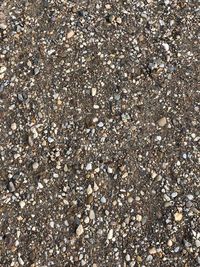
{"type": "Point", "coordinates": [190, 197]}
{"type": "Point", "coordinates": [153, 174]}
{"type": "Point", "coordinates": [21, 262]}
{"type": "Point", "coordinates": [94, 91]}
{"type": "Point", "coordinates": [22, 204]}
{"type": "Point", "coordinates": [103, 200]}
{"type": "Point", "coordinates": [40, 186]}
{"type": "Point", "coordinates": [130, 199]}
{"type": "Point", "coordinates": [50, 139]}
{"type": "Point", "coordinates": [100, 124]}
{"type": "Point", "coordinates": [86, 220]}
{"type": "Point", "coordinates": [128, 258]}
{"type": "Point", "coordinates": [110, 234]}
{"type": "Point", "coordinates": [51, 224]}
{"type": "Point", "coordinates": [35, 165]}
{"type": "Point", "coordinates": [166, 46]}
{"type": "Point", "coordinates": [89, 167]}
{"type": "Point", "coordinates": [13, 126]}
{"type": "Point", "coordinates": [109, 170]}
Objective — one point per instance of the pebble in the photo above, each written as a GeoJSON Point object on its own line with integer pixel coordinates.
{"type": "Point", "coordinates": [35, 166]}
{"type": "Point", "coordinates": [13, 126]}
{"type": "Point", "coordinates": [128, 258]}
{"type": "Point", "coordinates": [95, 187]}
{"type": "Point", "coordinates": [152, 251]}
{"type": "Point", "coordinates": [3, 26]}
{"type": "Point", "coordinates": [111, 18]}
{"type": "Point", "coordinates": [110, 170]}
{"type": "Point", "coordinates": [103, 200]}
{"type": "Point", "coordinates": [11, 187]}
{"type": "Point", "coordinates": [89, 167]}
{"type": "Point", "coordinates": [130, 200]}
{"type": "Point", "coordinates": [89, 189]}
{"type": "Point", "coordinates": [30, 141]}
{"type": "Point", "coordinates": [70, 34]}
{"type": "Point", "coordinates": [79, 230]}
{"type": "Point", "coordinates": [190, 197]}
{"type": "Point", "coordinates": [197, 243]}
{"type": "Point", "coordinates": [138, 218]}
{"type": "Point", "coordinates": [87, 220]}
{"type": "Point", "coordinates": [110, 234]}
{"type": "Point", "coordinates": [2, 69]}
{"type": "Point", "coordinates": [21, 262]}
{"type": "Point", "coordinates": [166, 46]}
{"type": "Point", "coordinates": [100, 124]}
{"type": "Point", "coordinates": [94, 91]}
{"type": "Point", "coordinates": [169, 243]}
{"type": "Point", "coordinates": [119, 20]}
{"type": "Point", "coordinates": [22, 204]}
{"type": "Point", "coordinates": [92, 215]}
{"type": "Point", "coordinates": [178, 216]}
{"type": "Point", "coordinates": [162, 122]}
{"type": "Point", "coordinates": [36, 71]}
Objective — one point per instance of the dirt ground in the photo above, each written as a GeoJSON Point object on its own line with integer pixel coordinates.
{"type": "Point", "coordinates": [99, 133]}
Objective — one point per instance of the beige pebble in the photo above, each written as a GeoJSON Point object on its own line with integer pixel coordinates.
{"type": "Point", "coordinates": [70, 34]}
{"type": "Point", "coordinates": [108, 6]}
{"type": "Point", "coordinates": [138, 218]}
{"type": "Point", "coordinates": [95, 187]}
{"type": "Point", "coordinates": [119, 20]}
{"type": "Point", "coordinates": [170, 243]}
{"type": "Point", "coordinates": [152, 251]}
{"type": "Point", "coordinates": [178, 216]}
{"type": "Point", "coordinates": [162, 122]}
{"type": "Point", "coordinates": [22, 204]}
{"type": "Point", "coordinates": [130, 200]}
{"type": "Point", "coordinates": [92, 215]}
{"type": "Point", "coordinates": [79, 230]}
{"type": "Point", "coordinates": [2, 69]}
{"type": "Point", "coordinates": [89, 189]}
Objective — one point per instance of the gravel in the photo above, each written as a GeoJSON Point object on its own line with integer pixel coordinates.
{"type": "Point", "coordinates": [99, 130]}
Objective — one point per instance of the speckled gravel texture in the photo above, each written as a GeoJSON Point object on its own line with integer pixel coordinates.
{"type": "Point", "coordinates": [99, 133]}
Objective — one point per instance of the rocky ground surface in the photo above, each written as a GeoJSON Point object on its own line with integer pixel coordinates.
{"type": "Point", "coordinates": [99, 133]}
